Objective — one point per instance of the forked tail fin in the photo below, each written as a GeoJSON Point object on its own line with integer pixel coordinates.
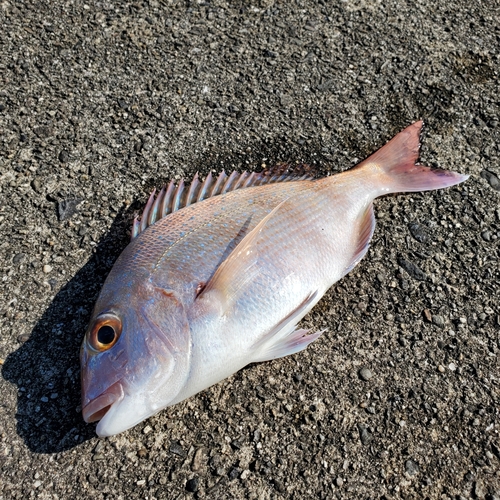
{"type": "Point", "coordinates": [393, 166]}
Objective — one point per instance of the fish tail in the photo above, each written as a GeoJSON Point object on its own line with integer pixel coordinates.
{"type": "Point", "coordinates": [393, 166]}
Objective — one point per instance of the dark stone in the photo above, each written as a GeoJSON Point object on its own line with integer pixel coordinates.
{"type": "Point", "coordinates": [492, 179]}
{"type": "Point", "coordinates": [43, 132]}
{"type": "Point", "coordinates": [177, 449]}
{"type": "Point", "coordinates": [234, 473]}
{"type": "Point", "coordinates": [18, 258]}
{"type": "Point", "coordinates": [193, 484]}
{"type": "Point", "coordinates": [63, 156]}
{"type": "Point", "coordinates": [417, 232]}
{"type": "Point", "coordinates": [412, 269]}
{"type": "Point", "coordinates": [236, 444]}
{"type": "Point", "coordinates": [364, 435]}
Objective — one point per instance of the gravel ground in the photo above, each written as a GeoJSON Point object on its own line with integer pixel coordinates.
{"type": "Point", "coordinates": [101, 101]}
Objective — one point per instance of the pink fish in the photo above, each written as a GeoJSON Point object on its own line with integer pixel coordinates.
{"type": "Point", "coordinates": [219, 274]}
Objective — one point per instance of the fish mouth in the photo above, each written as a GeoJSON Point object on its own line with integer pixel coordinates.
{"type": "Point", "coordinates": [99, 406]}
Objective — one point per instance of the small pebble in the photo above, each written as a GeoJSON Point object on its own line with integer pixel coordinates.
{"type": "Point", "coordinates": [177, 449]}
{"type": "Point", "coordinates": [417, 232]}
{"type": "Point", "coordinates": [479, 490]}
{"type": "Point", "coordinates": [364, 435]}
{"type": "Point", "coordinates": [412, 269]}
{"type": "Point", "coordinates": [492, 179]}
{"type": "Point", "coordinates": [36, 185]}
{"type": "Point", "coordinates": [67, 208]}
{"type": "Point", "coordinates": [245, 474]}
{"type": "Point", "coordinates": [147, 429]}
{"type": "Point", "coordinates": [18, 258]}
{"type": "Point", "coordinates": [141, 482]}
{"type": "Point", "coordinates": [441, 368]}
{"type": "Point", "coordinates": [339, 482]}
{"type": "Point", "coordinates": [63, 156]}
{"type": "Point", "coordinates": [234, 473]}
{"type": "Point", "coordinates": [411, 467]}
{"type": "Point", "coordinates": [46, 268]}
{"type": "Point", "coordinates": [198, 460]}
{"type": "Point", "coordinates": [438, 320]}
{"type": "Point", "coordinates": [278, 484]}
{"type": "Point", "coordinates": [365, 374]}
{"type": "Point", "coordinates": [486, 235]}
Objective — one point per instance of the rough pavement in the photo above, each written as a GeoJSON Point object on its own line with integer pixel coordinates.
{"type": "Point", "coordinates": [101, 101]}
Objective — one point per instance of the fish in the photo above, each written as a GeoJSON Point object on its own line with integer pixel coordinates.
{"type": "Point", "coordinates": [219, 273]}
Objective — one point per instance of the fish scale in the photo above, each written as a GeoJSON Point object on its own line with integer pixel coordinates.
{"type": "Point", "coordinates": [215, 284]}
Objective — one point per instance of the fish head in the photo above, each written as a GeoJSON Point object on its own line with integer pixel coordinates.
{"type": "Point", "coordinates": [134, 358]}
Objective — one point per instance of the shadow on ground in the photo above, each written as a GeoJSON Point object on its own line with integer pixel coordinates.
{"type": "Point", "coordinates": [46, 367]}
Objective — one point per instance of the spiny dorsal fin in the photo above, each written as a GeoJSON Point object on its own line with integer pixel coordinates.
{"type": "Point", "coordinates": [172, 198]}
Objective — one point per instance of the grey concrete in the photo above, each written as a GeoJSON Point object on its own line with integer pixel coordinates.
{"type": "Point", "coordinates": [101, 101]}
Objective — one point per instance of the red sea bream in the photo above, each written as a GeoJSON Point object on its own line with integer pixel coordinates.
{"type": "Point", "coordinates": [218, 275]}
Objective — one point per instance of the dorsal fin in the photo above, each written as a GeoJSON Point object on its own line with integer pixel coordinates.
{"type": "Point", "coordinates": [172, 198]}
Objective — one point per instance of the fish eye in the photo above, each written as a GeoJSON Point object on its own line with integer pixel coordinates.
{"type": "Point", "coordinates": [105, 332]}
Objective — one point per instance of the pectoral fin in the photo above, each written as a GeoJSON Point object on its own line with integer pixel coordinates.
{"type": "Point", "coordinates": [239, 269]}
{"type": "Point", "coordinates": [284, 339]}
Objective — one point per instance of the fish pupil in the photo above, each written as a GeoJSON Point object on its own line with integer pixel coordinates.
{"type": "Point", "coordinates": [106, 335]}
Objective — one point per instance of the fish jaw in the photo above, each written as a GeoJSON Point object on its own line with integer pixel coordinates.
{"type": "Point", "coordinates": [97, 408]}
{"type": "Point", "coordinates": [125, 413]}
{"type": "Point", "coordinates": [117, 410]}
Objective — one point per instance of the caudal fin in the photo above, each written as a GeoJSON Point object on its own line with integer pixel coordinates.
{"type": "Point", "coordinates": [394, 167]}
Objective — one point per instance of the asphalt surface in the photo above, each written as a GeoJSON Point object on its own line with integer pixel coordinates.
{"type": "Point", "coordinates": [101, 101]}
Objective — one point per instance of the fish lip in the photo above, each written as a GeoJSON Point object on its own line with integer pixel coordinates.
{"type": "Point", "coordinates": [98, 407]}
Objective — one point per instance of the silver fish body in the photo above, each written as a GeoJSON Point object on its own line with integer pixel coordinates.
{"type": "Point", "coordinates": [223, 282]}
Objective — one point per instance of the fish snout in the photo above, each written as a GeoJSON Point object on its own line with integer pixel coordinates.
{"type": "Point", "coordinates": [98, 407]}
